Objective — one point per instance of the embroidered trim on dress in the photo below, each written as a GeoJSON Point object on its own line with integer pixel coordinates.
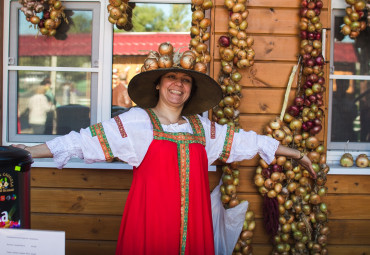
{"type": "Point", "coordinates": [98, 130]}
{"type": "Point", "coordinates": [213, 130]}
{"type": "Point", "coordinates": [120, 126]}
{"type": "Point", "coordinates": [154, 119]}
{"type": "Point", "coordinates": [228, 143]}
{"type": "Point", "coordinates": [183, 155]}
{"type": "Point", "coordinates": [182, 139]}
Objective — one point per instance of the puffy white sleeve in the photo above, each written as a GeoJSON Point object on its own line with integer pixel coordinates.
{"type": "Point", "coordinates": [231, 144]}
{"type": "Point", "coordinates": [126, 137]}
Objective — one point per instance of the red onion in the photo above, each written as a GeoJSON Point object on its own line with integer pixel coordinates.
{"type": "Point", "coordinates": [318, 36]}
{"type": "Point", "coordinates": [298, 101]}
{"type": "Point", "coordinates": [304, 3]}
{"type": "Point", "coordinates": [266, 173]}
{"type": "Point", "coordinates": [313, 78]}
{"type": "Point", "coordinates": [317, 122]}
{"type": "Point", "coordinates": [41, 23]}
{"type": "Point", "coordinates": [46, 15]}
{"type": "Point", "coordinates": [319, 60]}
{"type": "Point", "coordinates": [310, 62]}
{"type": "Point", "coordinates": [311, 36]}
{"type": "Point", "coordinates": [309, 124]}
{"type": "Point", "coordinates": [303, 11]}
{"type": "Point", "coordinates": [317, 11]}
{"type": "Point", "coordinates": [315, 130]}
{"type": "Point", "coordinates": [319, 4]}
{"type": "Point", "coordinates": [305, 126]}
{"type": "Point", "coordinates": [312, 98]}
{"type": "Point", "coordinates": [311, 5]}
{"type": "Point", "coordinates": [307, 102]}
{"type": "Point", "coordinates": [293, 110]}
{"type": "Point", "coordinates": [309, 84]}
{"type": "Point", "coordinates": [276, 168]}
{"type": "Point", "coordinates": [321, 80]}
{"type": "Point", "coordinates": [303, 34]}
{"type": "Point", "coordinates": [224, 41]}
{"type": "Point", "coordinates": [306, 56]}
{"type": "Point", "coordinates": [319, 96]}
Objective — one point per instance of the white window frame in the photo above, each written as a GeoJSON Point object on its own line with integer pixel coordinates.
{"type": "Point", "coordinates": [12, 68]}
{"type": "Point", "coordinates": [334, 154]}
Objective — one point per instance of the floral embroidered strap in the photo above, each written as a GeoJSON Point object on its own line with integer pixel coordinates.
{"type": "Point", "coordinates": [231, 130]}
{"type": "Point", "coordinates": [182, 139]}
{"type": "Point", "coordinates": [213, 130]}
{"type": "Point", "coordinates": [98, 130]}
{"type": "Point", "coordinates": [120, 126]}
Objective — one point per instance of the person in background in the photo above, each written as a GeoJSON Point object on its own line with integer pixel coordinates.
{"type": "Point", "coordinates": [49, 123]}
{"type": "Point", "coordinates": [69, 94]}
{"type": "Point", "coordinates": [38, 106]}
{"type": "Point", "coordinates": [170, 146]}
{"type": "Point", "coordinates": [120, 95]}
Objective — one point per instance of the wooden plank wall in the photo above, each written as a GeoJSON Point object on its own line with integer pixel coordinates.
{"type": "Point", "coordinates": [273, 24]}
{"type": "Point", "coordinates": [88, 203]}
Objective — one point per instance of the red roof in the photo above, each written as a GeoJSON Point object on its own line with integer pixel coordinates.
{"type": "Point", "coordinates": [141, 43]}
{"type": "Point", "coordinates": [344, 52]}
{"type": "Point", "coordinates": [73, 45]}
{"type": "Point", "coordinates": [80, 44]}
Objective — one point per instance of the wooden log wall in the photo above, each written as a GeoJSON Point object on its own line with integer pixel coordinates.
{"type": "Point", "coordinates": [88, 203]}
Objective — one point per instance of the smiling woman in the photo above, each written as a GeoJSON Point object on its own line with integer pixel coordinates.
{"type": "Point", "coordinates": [170, 147]}
{"type": "Point", "coordinates": [174, 90]}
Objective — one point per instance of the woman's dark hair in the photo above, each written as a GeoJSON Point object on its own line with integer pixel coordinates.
{"type": "Point", "coordinates": [46, 81]}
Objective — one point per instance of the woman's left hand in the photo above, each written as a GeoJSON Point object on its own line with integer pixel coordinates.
{"type": "Point", "coordinates": [306, 163]}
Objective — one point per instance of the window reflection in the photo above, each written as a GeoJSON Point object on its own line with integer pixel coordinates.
{"type": "Point", "coordinates": [53, 102]}
{"type": "Point", "coordinates": [351, 97]}
{"type": "Point", "coordinates": [351, 55]}
{"type": "Point", "coordinates": [71, 46]}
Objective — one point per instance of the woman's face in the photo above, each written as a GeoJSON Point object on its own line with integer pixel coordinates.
{"type": "Point", "coordinates": [175, 88]}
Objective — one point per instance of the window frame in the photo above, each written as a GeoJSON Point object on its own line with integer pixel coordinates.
{"type": "Point", "coordinates": [11, 68]}
{"type": "Point", "coordinates": [336, 149]}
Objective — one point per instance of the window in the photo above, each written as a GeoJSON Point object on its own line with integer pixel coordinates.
{"type": "Point", "coordinates": [52, 81]}
{"type": "Point", "coordinates": [349, 126]}
{"type": "Point", "coordinates": [83, 65]}
{"type": "Point", "coordinates": [152, 24]}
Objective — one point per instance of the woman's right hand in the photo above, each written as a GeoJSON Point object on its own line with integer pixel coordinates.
{"type": "Point", "coordinates": [307, 164]}
{"type": "Point", "coordinates": [20, 146]}
{"type": "Point", "coordinates": [37, 151]}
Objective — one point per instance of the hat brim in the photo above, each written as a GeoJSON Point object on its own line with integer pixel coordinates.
{"type": "Point", "coordinates": [207, 92]}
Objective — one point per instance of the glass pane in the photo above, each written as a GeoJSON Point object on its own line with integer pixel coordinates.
{"type": "Point", "coordinates": [351, 57]}
{"type": "Point", "coordinates": [153, 24]}
{"type": "Point", "coordinates": [71, 46]}
{"type": "Point", "coordinates": [53, 102]}
{"type": "Point", "coordinates": [351, 111]}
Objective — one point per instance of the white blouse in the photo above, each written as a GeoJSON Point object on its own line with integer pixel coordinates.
{"type": "Point", "coordinates": [134, 146]}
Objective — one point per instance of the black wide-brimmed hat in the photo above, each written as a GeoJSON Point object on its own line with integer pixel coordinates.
{"type": "Point", "coordinates": [206, 92]}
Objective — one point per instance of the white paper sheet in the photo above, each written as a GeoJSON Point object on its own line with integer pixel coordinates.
{"type": "Point", "coordinates": [31, 242]}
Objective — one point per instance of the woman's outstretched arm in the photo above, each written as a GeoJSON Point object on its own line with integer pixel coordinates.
{"type": "Point", "coordinates": [296, 154]}
{"type": "Point", "coordinates": [37, 151]}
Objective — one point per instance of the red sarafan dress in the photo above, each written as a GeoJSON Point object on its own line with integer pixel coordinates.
{"type": "Point", "coordinates": [168, 209]}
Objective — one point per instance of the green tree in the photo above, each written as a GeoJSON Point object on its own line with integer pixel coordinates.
{"type": "Point", "coordinates": [79, 22]}
{"type": "Point", "coordinates": [148, 18]}
{"type": "Point", "coordinates": [179, 19]}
